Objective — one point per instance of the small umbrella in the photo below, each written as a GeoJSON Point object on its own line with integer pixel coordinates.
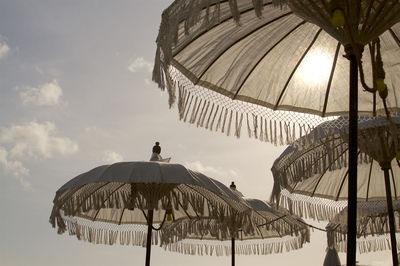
{"type": "Point", "coordinates": [106, 203]}
{"type": "Point", "coordinates": [274, 60]}
{"type": "Point", "coordinates": [372, 227]}
{"type": "Point", "coordinates": [320, 171]}
{"type": "Point", "coordinates": [273, 231]}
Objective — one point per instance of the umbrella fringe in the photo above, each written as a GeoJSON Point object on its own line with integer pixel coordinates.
{"type": "Point", "coordinates": [196, 201]}
{"type": "Point", "coordinates": [107, 236]}
{"type": "Point", "coordinates": [223, 248]}
{"type": "Point", "coordinates": [366, 245]}
{"type": "Point", "coordinates": [308, 207]}
{"type": "Point", "coordinates": [205, 112]}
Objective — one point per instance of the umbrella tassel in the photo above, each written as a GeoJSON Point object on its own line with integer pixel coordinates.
{"type": "Point", "coordinates": [215, 115]}
{"type": "Point", "coordinates": [248, 125]}
{"type": "Point", "coordinates": [255, 125]}
{"type": "Point", "coordinates": [195, 109]}
{"type": "Point", "coordinates": [261, 137]}
{"type": "Point", "coordinates": [238, 124]}
{"type": "Point", "coordinates": [224, 121]}
{"type": "Point", "coordinates": [266, 130]}
{"type": "Point", "coordinates": [188, 108]}
{"type": "Point", "coordinates": [219, 119]}
{"type": "Point", "coordinates": [209, 116]}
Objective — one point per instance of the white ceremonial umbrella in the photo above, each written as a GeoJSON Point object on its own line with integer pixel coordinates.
{"type": "Point", "coordinates": [107, 203]}
{"type": "Point", "coordinates": [372, 227]}
{"type": "Point", "coordinates": [273, 232]}
{"type": "Point", "coordinates": [320, 170]}
{"type": "Point", "coordinates": [229, 61]}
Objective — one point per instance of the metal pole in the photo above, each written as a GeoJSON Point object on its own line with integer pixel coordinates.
{"type": "Point", "coordinates": [233, 251]}
{"type": "Point", "coordinates": [391, 216]}
{"type": "Point", "coordinates": [149, 229]}
{"type": "Point", "coordinates": [352, 177]}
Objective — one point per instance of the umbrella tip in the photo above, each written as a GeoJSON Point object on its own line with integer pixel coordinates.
{"type": "Point", "coordinates": [157, 148]}
{"type": "Point", "coordinates": [232, 186]}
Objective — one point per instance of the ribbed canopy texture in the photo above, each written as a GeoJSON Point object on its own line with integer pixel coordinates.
{"type": "Point", "coordinates": [372, 227]}
{"type": "Point", "coordinates": [273, 232]}
{"type": "Point", "coordinates": [230, 63]}
{"type": "Point", "coordinates": [319, 170]}
{"type": "Point", "coordinates": [108, 202]}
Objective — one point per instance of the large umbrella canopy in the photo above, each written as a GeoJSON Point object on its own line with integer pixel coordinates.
{"type": "Point", "coordinates": [307, 174]}
{"type": "Point", "coordinates": [274, 231]}
{"type": "Point", "coordinates": [372, 227]}
{"type": "Point", "coordinates": [107, 203]}
{"type": "Point", "coordinates": [274, 59]}
{"type": "Point", "coordinates": [319, 171]}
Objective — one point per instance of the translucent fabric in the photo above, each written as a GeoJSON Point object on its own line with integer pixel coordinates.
{"type": "Point", "coordinates": [372, 227]}
{"type": "Point", "coordinates": [233, 63]}
{"type": "Point", "coordinates": [273, 231]}
{"type": "Point", "coordinates": [319, 170]}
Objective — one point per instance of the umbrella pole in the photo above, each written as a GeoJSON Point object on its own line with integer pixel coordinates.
{"type": "Point", "coordinates": [352, 176]}
{"type": "Point", "coordinates": [233, 251]}
{"type": "Point", "coordinates": [149, 230]}
{"type": "Point", "coordinates": [391, 216]}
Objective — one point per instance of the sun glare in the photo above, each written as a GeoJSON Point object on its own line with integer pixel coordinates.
{"type": "Point", "coordinates": [316, 67]}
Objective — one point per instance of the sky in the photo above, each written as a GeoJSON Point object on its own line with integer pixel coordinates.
{"type": "Point", "coordinates": [76, 93]}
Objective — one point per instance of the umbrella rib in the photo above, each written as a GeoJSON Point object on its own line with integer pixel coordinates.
{"type": "Point", "coordinates": [369, 178]}
{"type": "Point", "coordinates": [274, 220]}
{"type": "Point", "coordinates": [259, 231]}
{"type": "Point", "coordinates": [364, 227]}
{"type": "Point", "coordinates": [367, 15]}
{"type": "Point", "coordinates": [240, 39]}
{"type": "Point", "coordinates": [328, 88]}
{"type": "Point", "coordinates": [83, 201]}
{"type": "Point", "coordinates": [311, 150]}
{"type": "Point", "coordinates": [295, 68]}
{"type": "Point", "coordinates": [218, 196]}
{"type": "Point", "coordinates": [395, 37]}
{"type": "Point", "coordinates": [342, 183]}
{"type": "Point", "coordinates": [376, 14]}
{"type": "Point", "coordinates": [316, 161]}
{"type": "Point", "coordinates": [122, 214]}
{"type": "Point", "coordinates": [326, 169]}
{"type": "Point", "coordinates": [266, 53]}
{"type": "Point", "coordinates": [394, 183]}
{"type": "Point", "coordinates": [216, 25]}
{"type": "Point", "coordinates": [94, 218]}
{"type": "Point", "coordinates": [180, 204]}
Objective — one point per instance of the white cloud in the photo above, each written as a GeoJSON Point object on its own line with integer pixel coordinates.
{"type": "Point", "coordinates": [110, 157]}
{"type": "Point", "coordinates": [31, 140]}
{"type": "Point", "coordinates": [47, 94]}
{"type": "Point", "coordinates": [14, 167]}
{"type": "Point", "coordinates": [4, 49]}
{"type": "Point", "coordinates": [37, 140]}
{"type": "Point", "coordinates": [220, 174]}
{"type": "Point", "coordinates": [140, 64]}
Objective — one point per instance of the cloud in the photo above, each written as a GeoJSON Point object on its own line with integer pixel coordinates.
{"type": "Point", "coordinates": [215, 173]}
{"type": "Point", "coordinates": [14, 167]}
{"type": "Point", "coordinates": [32, 140]}
{"type": "Point", "coordinates": [47, 94]}
{"type": "Point", "coordinates": [36, 140]}
{"type": "Point", "coordinates": [110, 157]}
{"type": "Point", "coordinates": [140, 64]}
{"type": "Point", "coordinates": [4, 49]}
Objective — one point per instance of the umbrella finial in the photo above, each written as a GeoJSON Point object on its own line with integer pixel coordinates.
{"type": "Point", "coordinates": [157, 148]}
{"type": "Point", "coordinates": [232, 186]}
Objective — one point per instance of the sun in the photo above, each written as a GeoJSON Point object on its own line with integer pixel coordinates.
{"type": "Point", "coordinates": [316, 67]}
